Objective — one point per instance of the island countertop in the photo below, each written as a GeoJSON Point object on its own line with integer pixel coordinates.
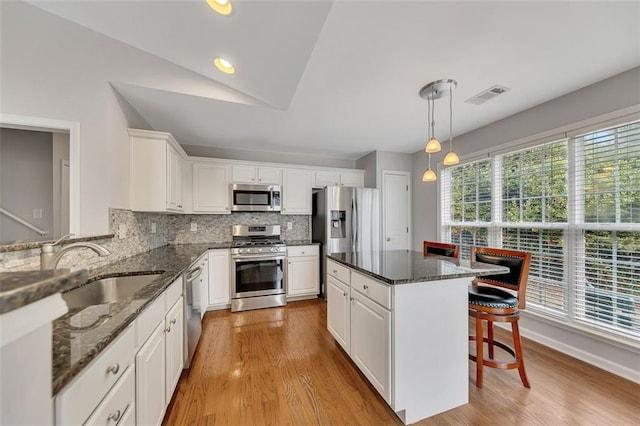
{"type": "Point", "coordinates": [405, 266]}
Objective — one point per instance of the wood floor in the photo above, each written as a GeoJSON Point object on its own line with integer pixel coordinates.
{"type": "Point", "coordinates": [280, 366]}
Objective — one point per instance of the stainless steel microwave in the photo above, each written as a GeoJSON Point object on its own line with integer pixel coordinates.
{"type": "Point", "coordinates": [255, 198]}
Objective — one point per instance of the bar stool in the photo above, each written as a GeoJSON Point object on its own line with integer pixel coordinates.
{"type": "Point", "coordinates": [487, 302]}
{"type": "Point", "coordinates": [442, 249]}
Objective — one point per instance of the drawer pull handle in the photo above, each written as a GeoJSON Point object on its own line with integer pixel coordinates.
{"type": "Point", "coordinates": [365, 286]}
{"type": "Point", "coordinates": [173, 321]}
{"type": "Point", "coordinates": [113, 369]}
{"type": "Point", "coordinates": [114, 416]}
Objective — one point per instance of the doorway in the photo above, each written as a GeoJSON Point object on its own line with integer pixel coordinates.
{"type": "Point", "coordinates": [396, 210]}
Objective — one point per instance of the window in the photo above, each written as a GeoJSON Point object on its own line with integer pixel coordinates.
{"type": "Point", "coordinates": [574, 203]}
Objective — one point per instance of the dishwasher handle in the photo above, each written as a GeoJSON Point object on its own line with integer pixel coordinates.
{"type": "Point", "coordinates": [194, 274]}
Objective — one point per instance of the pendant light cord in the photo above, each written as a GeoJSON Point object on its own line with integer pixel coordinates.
{"type": "Point", "coordinates": [450, 118]}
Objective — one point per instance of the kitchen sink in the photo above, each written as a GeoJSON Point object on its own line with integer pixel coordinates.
{"type": "Point", "coordinates": [107, 290]}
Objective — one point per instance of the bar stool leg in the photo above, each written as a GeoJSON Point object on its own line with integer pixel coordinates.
{"type": "Point", "coordinates": [479, 350]}
{"type": "Point", "coordinates": [490, 338]}
{"type": "Point", "coordinates": [519, 356]}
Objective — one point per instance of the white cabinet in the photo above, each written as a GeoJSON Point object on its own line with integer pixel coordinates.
{"type": "Point", "coordinates": [201, 288]}
{"type": "Point", "coordinates": [156, 163]}
{"type": "Point", "coordinates": [352, 179]}
{"type": "Point", "coordinates": [324, 178]}
{"type": "Point", "coordinates": [120, 401]}
{"type": "Point", "coordinates": [211, 193]}
{"type": "Point", "coordinates": [303, 271]}
{"type": "Point", "coordinates": [296, 191]}
{"type": "Point", "coordinates": [219, 282]}
{"type": "Point", "coordinates": [174, 352]}
{"type": "Point", "coordinates": [174, 179]}
{"type": "Point", "coordinates": [150, 379]}
{"type": "Point", "coordinates": [160, 359]}
{"type": "Point", "coordinates": [338, 312]}
{"type": "Point", "coordinates": [252, 174]}
{"type": "Point", "coordinates": [371, 342]}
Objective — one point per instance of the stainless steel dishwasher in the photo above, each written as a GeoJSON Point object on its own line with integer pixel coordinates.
{"type": "Point", "coordinates": [192, 314]}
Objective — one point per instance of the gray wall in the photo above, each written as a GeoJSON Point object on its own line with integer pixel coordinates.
{"type": "Point", "coordinates": [613, 94]}
{"type": "Point", "coordinates": [26, 173]}
{"type": "Point", "coordinates": [270, 157]}
{"type": "Point", "coordinates": [368, 164]}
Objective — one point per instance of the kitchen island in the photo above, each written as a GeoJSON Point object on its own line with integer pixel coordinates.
{"type": "Point", "coordinates": [402, 317]}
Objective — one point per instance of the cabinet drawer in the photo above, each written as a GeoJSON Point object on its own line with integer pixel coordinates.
{"type": "Point", "coordinates": [149, 319]}
{"type": "Point", "coordinates": [75, 403]}
{"type": "Point", "coordinates": [296, 251]}
{"type": "Point", "coordinates": [374, 290]}
{"type": "Point", "coordinates": [338, 271]}
{"type": "Point", "coordinates": [173, 293]}
{"type": "Point", "coordinates": [118, 402]}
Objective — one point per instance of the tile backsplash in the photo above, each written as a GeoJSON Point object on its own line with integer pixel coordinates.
{"type": "Point", "coordinates": [135, 227]}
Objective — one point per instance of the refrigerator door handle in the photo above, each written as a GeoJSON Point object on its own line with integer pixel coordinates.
{"type": "Point", "coordinates": [354, 223]}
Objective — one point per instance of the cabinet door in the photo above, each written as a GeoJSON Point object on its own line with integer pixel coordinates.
{"type": "Point", "coordinates": [211, 188]}
{"type": "Point", "coordinates": [352, 179]}
{"type": "Point", "coordinates": [174, 179]}
{"type": "Point", "coordinates": [150, 379]}
{"type": "Point", "coordinates": [174, 356]}
{"type": "Point", "coordinates": [338, 312]}
{"type": "Point", "coordinates": [243, 174]}
{"type": "Point", "coordinates": [219, 264]}
{"type": "Point", "coordinates": [327, 178]}
{"type": "Point", "coordinates": [271, 175]}
{"type": "Point", "coordinates": [371, 342]}
{"type": "Point", "coordinates": [296, 191]}
{"type": "Point", "coordinates": [302, 276]}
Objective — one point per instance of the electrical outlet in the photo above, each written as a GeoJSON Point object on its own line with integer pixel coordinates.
{"type": "Point", "coordinates": [37, 213]}
{"type": "Point", "coordinates": [153, 227]}
{"type": "Point", "coordinates": [194, 227]}
{"type": "Point", "coordinates": [122, 231]}
{"type": "Point", "coordinates": [289, 225]}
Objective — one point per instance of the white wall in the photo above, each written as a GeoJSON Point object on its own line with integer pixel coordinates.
{"type": "Point", "coordinates": [26, 172]}
{"type": "Point", "coordinates": [56, 69]}
{"type": "Point", "coordinates": [613, 94]}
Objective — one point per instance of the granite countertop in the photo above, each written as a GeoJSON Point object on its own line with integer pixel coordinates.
{"type": "Point", "coordinates": [27, 245]}
{"type": "Point", "coordinates": [81, 334]}
{"type": "Point", "coordinates": [18, 289]}
{"type": "Point", "coordinates": [301, 243]}
{"type": "Point", "coordinates": [404, 266]}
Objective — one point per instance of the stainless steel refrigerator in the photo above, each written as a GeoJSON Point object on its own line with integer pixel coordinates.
{"type": "Point", "coordinates": [345, 220]}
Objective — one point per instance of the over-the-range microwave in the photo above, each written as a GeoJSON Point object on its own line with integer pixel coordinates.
{"type": "Point", "coordinates": [255, 198]}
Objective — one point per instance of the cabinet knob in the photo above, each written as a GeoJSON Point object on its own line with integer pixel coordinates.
{"type": "Point", "coordinates": [113, 369]}
{"type": "Point", "coordinates": [114, 416]}
{"type": "Point", "coordinates": [365, 286]}
{"type": "Point", "coordinates": [301, 252]}
{"type": "Point", "coordinates": [344, 294]}
{"type": "Point", "coordinates": [388, 239]}
{"type": "Point", "coordinates": [335, 272]}
{"type": "Point", "coordinates": [173, 321]}
{"type": "Point", "coordinates": [351, 298]}
{"type": "Point", "coordinates": [289, 263]}
{"type": "Point", "coordinates": [167, 330]}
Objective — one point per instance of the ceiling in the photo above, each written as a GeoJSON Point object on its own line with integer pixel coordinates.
{"type": "Point", "coordinates": [342, 78]}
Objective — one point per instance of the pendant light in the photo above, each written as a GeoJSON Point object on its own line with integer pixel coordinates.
{"type": "Point", "coordinates": [432, 91]}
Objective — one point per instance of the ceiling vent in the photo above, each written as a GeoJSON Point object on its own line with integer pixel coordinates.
{"type": "Point", "coordinates": [485, 95]}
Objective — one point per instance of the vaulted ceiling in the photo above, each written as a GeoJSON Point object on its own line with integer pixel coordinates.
{"type": "Point", "coordinates": [341, 78]}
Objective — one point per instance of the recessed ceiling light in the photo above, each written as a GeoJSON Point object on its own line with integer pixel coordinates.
{"type": "Point", "coordinates": [223, 7]}
{"type": "Point", "coordinates": [224, 65]}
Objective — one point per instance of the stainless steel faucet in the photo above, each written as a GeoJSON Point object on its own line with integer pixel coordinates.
{"type": "Point", "coordinates": [49, 259]}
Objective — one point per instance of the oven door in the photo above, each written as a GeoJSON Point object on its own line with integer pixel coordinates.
{"type": "Point", "coordinates": [255, 275]}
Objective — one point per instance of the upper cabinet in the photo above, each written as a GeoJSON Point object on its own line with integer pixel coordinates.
{"type": "Point", "coordinates": [324, 178]}
{"type": "Point", "coordinates": [156, 170]}
{"type": "Point", "coordinates": [296, 191]}
{"type": "Point", "coordinates": [259, 175]}
{"type": "Point", "coordinates": [211, 193]}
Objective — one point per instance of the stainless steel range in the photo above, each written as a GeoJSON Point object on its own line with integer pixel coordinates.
{"type": "Point", "coordinates": [258, 271]}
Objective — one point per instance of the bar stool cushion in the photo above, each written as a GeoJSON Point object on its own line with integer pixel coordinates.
{"type": "Point", "coordinates": [491, 297]}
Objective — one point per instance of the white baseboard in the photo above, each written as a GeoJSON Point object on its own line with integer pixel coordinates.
{"type": "Point", "coordinates": [589, 358]}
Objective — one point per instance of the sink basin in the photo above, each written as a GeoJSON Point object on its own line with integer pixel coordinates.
{"type": "Point", "coordinates": [106, 290]}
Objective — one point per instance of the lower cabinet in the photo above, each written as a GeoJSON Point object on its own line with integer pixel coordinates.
{"type": "Point", "coordinates": [219, 278]}
{"type": "Point", "coordinates": [174, 349]}
{"type": "Point", "coordinates": [371, 342]}
{"type": "Point", "coordinates": [338, 312]}
{"type": "Point", "coordinates": [150, 379]}
{"type": "Point", "coordinates": [303, 271]}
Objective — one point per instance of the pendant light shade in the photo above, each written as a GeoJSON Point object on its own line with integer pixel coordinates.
{"type": "Point", "coordinates": [432, 91]}
{"type": "Point", "coordinates": [429, 176]}
{"type": "Point", "coordinates": [433, 146]}
{"type": "Point", "coordinates": [451, 159]}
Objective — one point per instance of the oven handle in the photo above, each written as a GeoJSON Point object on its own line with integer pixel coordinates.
{"type": "Point", "coordinates": [254, 257]}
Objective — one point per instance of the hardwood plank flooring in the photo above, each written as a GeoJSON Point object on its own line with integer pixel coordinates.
{"type": "Point", "coordinates": [280, 366]}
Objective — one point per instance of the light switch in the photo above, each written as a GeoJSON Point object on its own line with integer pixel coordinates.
{"type": "Point", "coordinates": [153, 227]}
{"type": "Point", "coordinates": [289, 225]}
{"type": "Point", "coordinates": [122, 231]}
{"type": "Point", "coordinates": [37, 213]}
